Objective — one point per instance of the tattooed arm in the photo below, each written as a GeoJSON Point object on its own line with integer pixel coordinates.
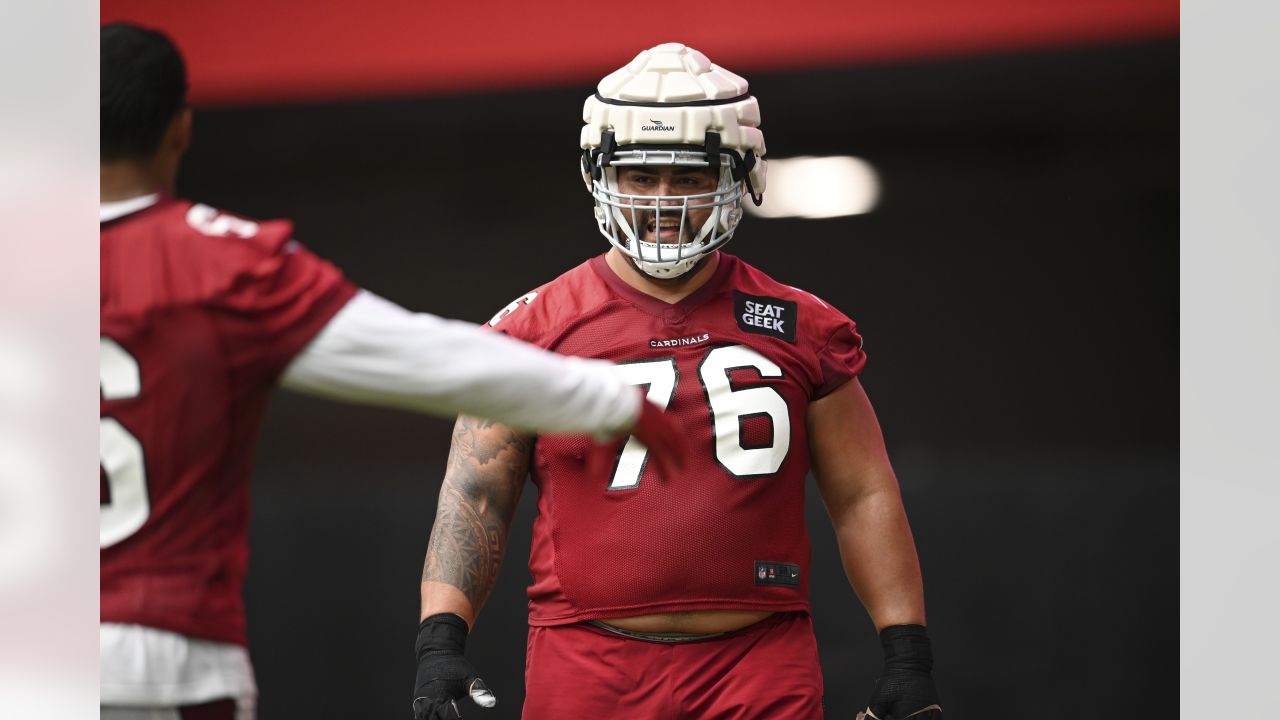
{"type": "Point", "coordinates": [482, 484]}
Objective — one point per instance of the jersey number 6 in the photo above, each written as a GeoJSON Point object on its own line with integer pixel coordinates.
{"type": "Point", "coordinates": [120, 452]}
{"type": "Point", "coordinates": [728, 408]}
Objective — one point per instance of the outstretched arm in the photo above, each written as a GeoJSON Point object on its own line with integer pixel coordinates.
{"type": "Point", "coordinates": [487, 466]}
{"type": "Point", "coordinates": [376, 352]}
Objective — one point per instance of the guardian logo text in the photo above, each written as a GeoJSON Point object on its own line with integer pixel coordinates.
{"type": "Point", "coordinates": [657, 126]}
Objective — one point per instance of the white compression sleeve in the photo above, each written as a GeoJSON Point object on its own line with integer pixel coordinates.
{"type": "Point", "coordinates": [376, 352]}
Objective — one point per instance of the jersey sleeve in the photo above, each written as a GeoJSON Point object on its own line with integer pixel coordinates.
{"type": "Point", "coordinates": [841, 358]}
{"type": "Point", "coordinates": [524, 318]}
{"type": "Point", "coordinates": [375, 351]}
{"type": "Point", "coordinates": [275, 302]}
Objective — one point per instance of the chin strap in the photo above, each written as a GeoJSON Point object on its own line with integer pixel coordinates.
{"type": "Point", "coordinates": [671, 270]}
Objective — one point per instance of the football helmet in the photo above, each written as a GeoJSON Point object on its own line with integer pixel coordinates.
{"type": "Point", "coordinates": [671, 106]}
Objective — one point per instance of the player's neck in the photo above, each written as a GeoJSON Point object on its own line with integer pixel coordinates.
{"type": "Point", "coordinates": [123, 180]}
{"type": "Point", "coordinates": [671, 290]}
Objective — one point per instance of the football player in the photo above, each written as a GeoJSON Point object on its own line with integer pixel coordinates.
{"type": "Point", "coordinates": [685, 594]}
{"type": "Point", "coordinates": [203, 312]}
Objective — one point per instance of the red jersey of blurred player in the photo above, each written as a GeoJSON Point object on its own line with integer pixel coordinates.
{"type": "Point", "coordinates": [738, 362]}
{"type": "Point", "coordinates": [201, 312]}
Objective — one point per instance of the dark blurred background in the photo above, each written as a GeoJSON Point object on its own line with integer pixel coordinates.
{"type": "Point", "coordinates": [1016, 287]}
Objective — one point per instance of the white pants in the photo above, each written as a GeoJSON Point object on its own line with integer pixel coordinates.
{"type": "Point", "coordinates": [156, 713]}
{"type": "Point", "coordinates": [148, 674]}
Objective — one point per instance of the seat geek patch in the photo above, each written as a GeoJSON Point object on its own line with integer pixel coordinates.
{"type": "Point", "coordinates": [765, 315]}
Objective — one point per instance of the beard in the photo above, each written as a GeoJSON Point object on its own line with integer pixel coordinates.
{"type": "Point", "coordinates": [671, 282]}
{"type": "Point", "coordinates": [666, 226]}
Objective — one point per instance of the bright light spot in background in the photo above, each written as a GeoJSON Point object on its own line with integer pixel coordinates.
{"type": "Point", "coordinates": [818, 187]}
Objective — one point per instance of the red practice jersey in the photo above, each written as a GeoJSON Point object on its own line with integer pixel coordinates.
{"type": "Point", "coordinates": [201, 312]}
{"type": "Point", "coordinates": [738, 362]}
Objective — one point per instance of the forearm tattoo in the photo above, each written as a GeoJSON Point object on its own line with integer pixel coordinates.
{"type": "Point", "coordinates": [482, 484]}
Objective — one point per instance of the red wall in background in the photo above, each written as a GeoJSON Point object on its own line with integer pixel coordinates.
{"type": "Point", "coordinates": [266, 51]}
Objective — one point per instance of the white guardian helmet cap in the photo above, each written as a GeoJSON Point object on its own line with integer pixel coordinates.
{"type": "Point", "coordinates": [672, 106]}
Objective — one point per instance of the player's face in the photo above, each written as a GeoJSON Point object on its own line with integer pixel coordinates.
{"type": "Point", "coordinates": [668, 180]}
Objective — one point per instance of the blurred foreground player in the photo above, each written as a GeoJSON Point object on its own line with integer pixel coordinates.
{"type": "Point", "coordinates": [202, 313]}
{"type": "Point", "coordinates": [685, 595]}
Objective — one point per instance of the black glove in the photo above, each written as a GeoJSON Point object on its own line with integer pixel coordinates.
{"type": "Point", "coordinates": [905, 688]}
{"type": "Point", "coordinates": [444, 675]}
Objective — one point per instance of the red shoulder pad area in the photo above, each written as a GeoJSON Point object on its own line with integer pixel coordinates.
{"type": "Point", "coordinates": [177, 253]}
{"type": "Point", "coordinates": [517, 318]}
{"type": "Point", "coordinates": [537, 315]}
{"type": "Point", "coordinates": [825, 331]}
{"type": "Point", "coordinates": [230, 249]}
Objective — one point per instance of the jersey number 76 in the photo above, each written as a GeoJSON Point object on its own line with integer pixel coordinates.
{"type": "Point", "coordinates": [728, 408]}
